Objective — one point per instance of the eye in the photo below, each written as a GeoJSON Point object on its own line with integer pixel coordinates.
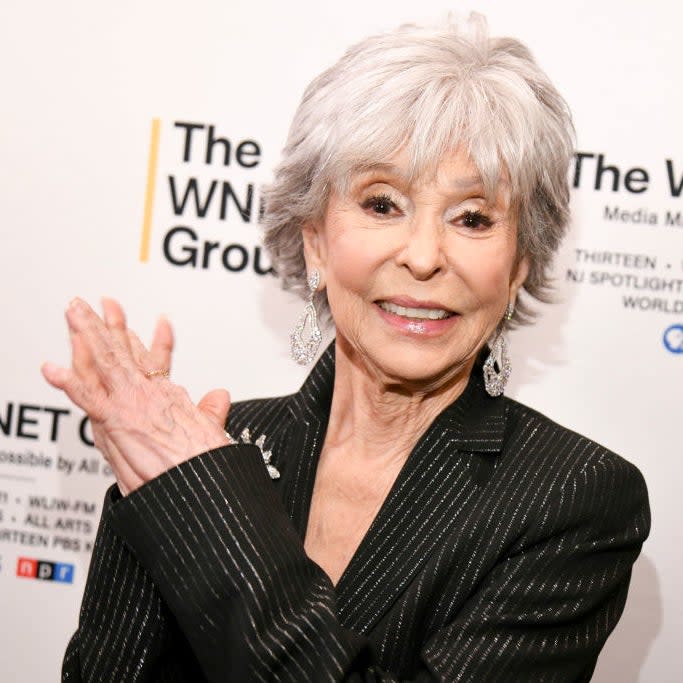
{"type": "Point", "coordinates": [381, 204]}
{"type": "Point", "coordinates": [475, 219]}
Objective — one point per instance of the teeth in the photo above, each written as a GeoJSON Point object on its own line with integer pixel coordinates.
{"type": "Point", "coordinates": [421, 313]}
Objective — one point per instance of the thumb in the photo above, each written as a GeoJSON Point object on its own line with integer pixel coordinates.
{"type": "Point", "coordinates": [215, 405]}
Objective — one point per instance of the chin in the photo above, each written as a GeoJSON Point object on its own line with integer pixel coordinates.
{"type": "Point", "coordinates": [418, 368]}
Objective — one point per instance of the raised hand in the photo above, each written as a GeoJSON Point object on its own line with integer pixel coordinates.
{"type": "Point", "coordinates": [142, 423]}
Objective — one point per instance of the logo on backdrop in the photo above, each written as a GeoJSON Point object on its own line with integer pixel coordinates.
{"type": "Point", "coordinates": [44, 570]}
{"type": "Point", "coordinates": [39, 441]}
{"type": "Point", "coordinates": [209, 193]}
{"type": "Point", "coordinates": [595, 170]}
{"type": "Point", "coordinates": [648, 282]}
{"type": "Point", "coordinates": [673, 338]}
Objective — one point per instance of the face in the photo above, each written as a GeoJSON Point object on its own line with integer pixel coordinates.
{"type": "Point", "coordinates": [418, 275]}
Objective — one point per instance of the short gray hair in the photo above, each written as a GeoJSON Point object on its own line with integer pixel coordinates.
{"type": "Point", "coordinates": [428, 90]}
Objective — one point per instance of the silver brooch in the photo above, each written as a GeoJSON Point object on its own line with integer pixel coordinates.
{"type": "Point", "coordinates": [245, 436]}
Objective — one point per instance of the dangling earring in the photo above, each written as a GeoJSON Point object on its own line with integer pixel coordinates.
{"type": "Point", "coordinates": [497, 367]}
{"type": "Point", "coordinates": [304, 350]}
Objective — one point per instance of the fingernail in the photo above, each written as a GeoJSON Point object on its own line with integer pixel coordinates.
{"type": "Point", "coordinates": [75, 302]}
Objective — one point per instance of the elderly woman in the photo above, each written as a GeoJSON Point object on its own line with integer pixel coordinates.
{"type": "Point", "coordinates": [399, 519]}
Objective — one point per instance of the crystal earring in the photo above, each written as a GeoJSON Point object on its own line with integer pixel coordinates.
{"type": "Point", "coordinates": [509, 311]}
{"type": "Point", "coordinates": [304, 348]}
{"type": "Point", "coordinates": [497, 367]}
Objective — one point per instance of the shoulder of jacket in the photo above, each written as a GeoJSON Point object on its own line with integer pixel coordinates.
{"type": "Point", "coordinates": [576, 480]}
{"type": "Point", "coordinates": [576, 454]}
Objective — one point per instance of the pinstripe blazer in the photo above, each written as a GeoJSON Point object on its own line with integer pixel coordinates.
{"type": "Point", "coordinates": [503, 552]}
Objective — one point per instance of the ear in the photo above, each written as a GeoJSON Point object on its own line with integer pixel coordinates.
{"type": "Point", "coordinates": [518, 276]}
{"type": "Point", "coordinates": [315, 247]}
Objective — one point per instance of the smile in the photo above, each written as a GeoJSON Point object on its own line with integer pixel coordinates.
{"type": "Point", "coordinates": [415, 313]}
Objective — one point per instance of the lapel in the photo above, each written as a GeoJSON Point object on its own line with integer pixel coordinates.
{"type": "Point", "coordinates": [303, 439]}
{"type": "Point", "coordinates": [441, 475]}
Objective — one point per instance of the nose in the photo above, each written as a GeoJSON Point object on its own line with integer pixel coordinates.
{"type": "Point", "coordinates": [422, 252]}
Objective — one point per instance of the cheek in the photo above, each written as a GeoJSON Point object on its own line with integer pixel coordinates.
{"type": "Point", "coordinates": [348, 286]}
{"type": "Point", "coordinates": [485, 269]}
{"type": "Point", "coordinates": [353, 261]}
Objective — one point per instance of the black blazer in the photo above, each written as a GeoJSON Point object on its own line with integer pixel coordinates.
{"type": "Point", "coordinates": [503, 552]}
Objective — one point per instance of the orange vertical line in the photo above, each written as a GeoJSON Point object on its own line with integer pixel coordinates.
{"type": "Point", "coordinates": [149, 192]}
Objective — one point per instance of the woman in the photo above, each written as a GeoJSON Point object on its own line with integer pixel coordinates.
{"type": "Point", "coordinates": [400, 519]}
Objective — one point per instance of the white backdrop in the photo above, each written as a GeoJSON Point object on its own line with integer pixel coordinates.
{"type": "Point", "coordinates": [82, 84]}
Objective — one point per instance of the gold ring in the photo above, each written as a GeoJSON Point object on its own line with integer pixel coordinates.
{"type": "Point", "coordinates": [157, 373]}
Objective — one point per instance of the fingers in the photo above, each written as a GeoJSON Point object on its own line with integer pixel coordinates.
{"type": "Point", "coordinates": [79, 392]}
{"type": "Point", "coordinates": [102, 358]}
{"type": "Point", "coordinates": [115, 320]}
{"type": "Point", "coordinates": [83, 363]}
{"type": "Point", "coordinates": [139, 351]}
{"type": "Point", "coordinates": [110, 356]}
{"type": "Point", "coordinates": [159, 356]}
{"type": "Point", "coordinates": [162, 346]}
{"type": "Point", "coordinates": [107, 347]}
{"type": "Point", "coordinates": [216, 405]}
{"type": "Point", "coordinates": [54, 375]}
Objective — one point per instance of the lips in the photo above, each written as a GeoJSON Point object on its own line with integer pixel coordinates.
{"type": "Point", "coordinates": [417, 319]}
{"type": "Point", "coordinates": [415, 310]}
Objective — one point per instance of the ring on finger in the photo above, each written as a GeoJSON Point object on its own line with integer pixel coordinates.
{"type": "Point", "coordinates": [158, 372]}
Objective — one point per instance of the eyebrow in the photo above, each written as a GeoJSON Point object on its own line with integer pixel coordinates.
{"type": "Point", "coordinates": [460, 183]}
{"type": "Point", "coordinates": [390, 169]}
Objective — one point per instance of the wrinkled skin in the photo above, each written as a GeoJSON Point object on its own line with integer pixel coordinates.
{"type": "Point", "coordinates": [142, 425]}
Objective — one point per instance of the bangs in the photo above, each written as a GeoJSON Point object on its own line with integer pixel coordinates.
{"type": "Point", "coordinates": [430, 120]}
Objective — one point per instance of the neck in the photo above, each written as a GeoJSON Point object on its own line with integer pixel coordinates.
{"type": "Point", "coordinates": [375, 417]}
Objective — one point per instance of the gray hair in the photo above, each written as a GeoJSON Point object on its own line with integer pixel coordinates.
{"type": "Point", "coordinates": [428, 90]}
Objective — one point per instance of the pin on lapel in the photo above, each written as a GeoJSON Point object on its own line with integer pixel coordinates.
{"type": "Point", "coordinates": [245, 436]}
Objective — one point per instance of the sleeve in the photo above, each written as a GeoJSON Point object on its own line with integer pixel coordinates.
{"type": "Point", "coordinates": [545, 610]}
{"type": "Point", "coordinates": [125, 632]}
{"type": "Point", "coordinates": [100, 647]}
{"type": "Point", "coordinates": [217, 542]}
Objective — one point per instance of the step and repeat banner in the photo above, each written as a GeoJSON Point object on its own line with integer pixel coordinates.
{"type": "Point", "coordinates": [136, 138]}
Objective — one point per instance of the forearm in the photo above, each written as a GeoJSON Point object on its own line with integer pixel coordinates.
{"type": "Point", "coordinates": [231, 568]}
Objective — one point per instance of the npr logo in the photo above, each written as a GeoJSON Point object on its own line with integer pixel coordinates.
{"type": "Point", "coordinates": [45, 571]}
